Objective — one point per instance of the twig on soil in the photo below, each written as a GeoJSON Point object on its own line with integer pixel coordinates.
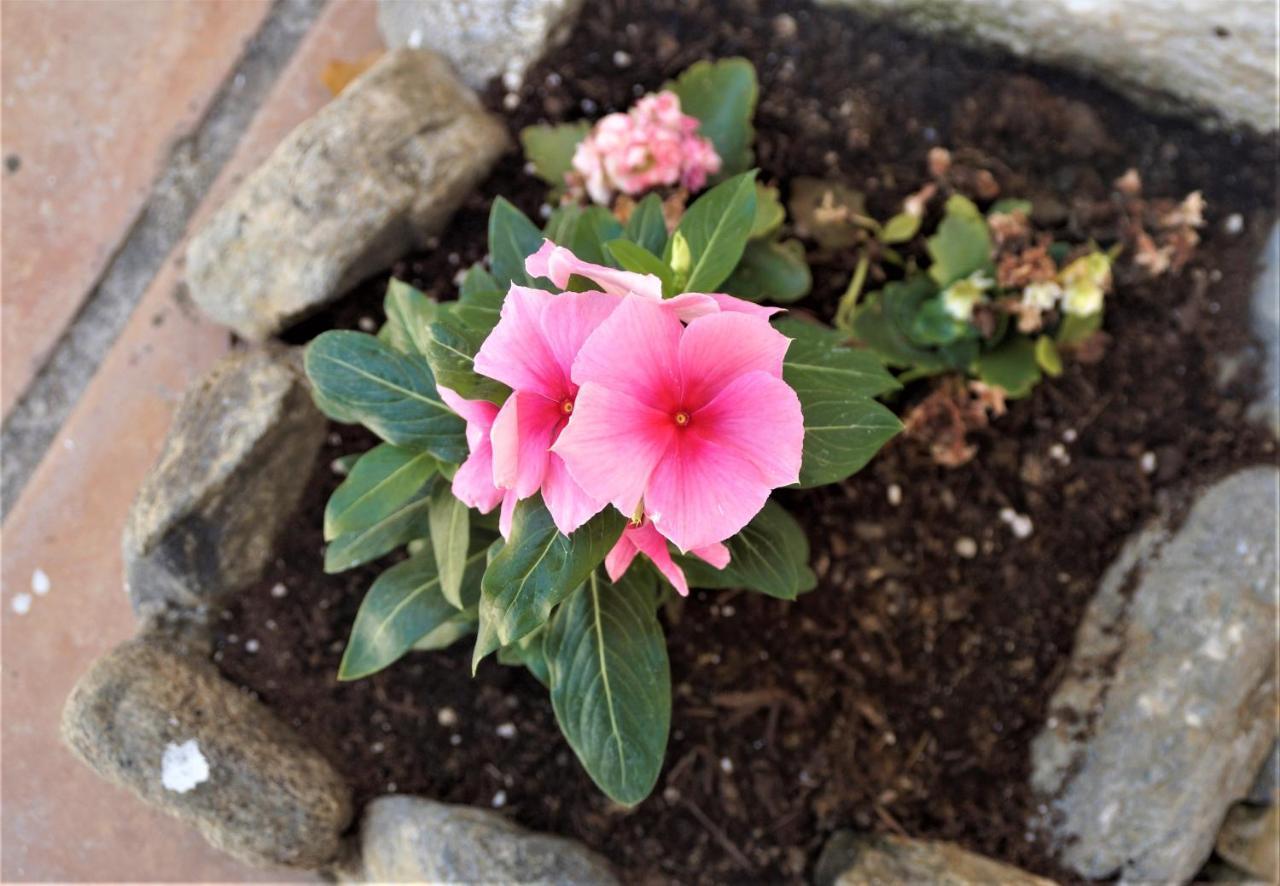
{"type": "Point", "coordinates": [720, 837]}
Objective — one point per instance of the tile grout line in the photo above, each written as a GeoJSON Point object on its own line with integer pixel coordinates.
{"type": "Point", "coordinates": [193, 164]}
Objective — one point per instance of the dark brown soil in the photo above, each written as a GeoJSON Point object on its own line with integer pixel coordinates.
{"type": "Point", "coordinates": [902, 695]}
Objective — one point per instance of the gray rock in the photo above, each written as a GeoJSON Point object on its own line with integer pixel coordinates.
{"type": "Point", "coordinates": [1266, 324]}
{"type": "Point", "coordinates": [1250, 840]}
{"type": "Point", "coordinates": [851, 859]}
{"type": "Point", "coordinates": [371, 176]}
{"type": "Point", "coordinates": [234, 464]}
{"type": "Point", "coordinates": [1167, 707]}
{"type": "Point", "coordinates": [185, 740]}
{"type": "Point", "coordinates": [408, 839]}
{"type": "Point", "coordinates": [482, 38]}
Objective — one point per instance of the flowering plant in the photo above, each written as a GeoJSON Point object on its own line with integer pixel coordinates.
{"type": "Point", "coordinates": [590, 422]}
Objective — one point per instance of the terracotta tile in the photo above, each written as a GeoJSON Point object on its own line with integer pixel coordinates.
{"type": "Point", "coordinates": [59, 821]}
{"type": "Point", "coordinates": [95, 95]}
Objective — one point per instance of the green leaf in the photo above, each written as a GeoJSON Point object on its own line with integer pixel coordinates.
{"type": "Point", "coordinates": [403, 606]}
{"type": "Point", "coordinates": [479, 311]}
{"type": "Point", "coordinates": [528, 653]}
{"type": "Point", "coordinates": [722, 95]}
{"type": "Point", "coordinates": [901, 228]}
{"type": "Point", "coordinates": [770, 555]}
{"type": "Point", "coordinates": [461, 624]}
{"type": "Point", "coordinates": [1010, 205]}
{"type": "Point", "coordinates": [1047, 356]}
{"type": "Point", "coordinates": [647, 226]}
{"type": "Point", "coordinates": [398, 527]}
{"type": "Point", "coordinates": [771, 271]}
{"type": "Point", "coordinates": [409, 313]}
{"type": "Point", "coordinates": [633, 257]}
{"type": "Point", "coordinates": [1074, 329]}
{"type": "Point", "coordinates": [390, 393]}
{"type": "Point", "coordinates": [450, 347]}
{"type": "Point", "coordinates": [611, 683]}
{"type": "Point", "coordinates": [770, 213]}
{"type": "Point", "coordinates": [476, 281]}
{"type": "Point", "coordinates": [382, 480]}
{"type": "Point", "coordinates": [934, 326]}
{"type": "Point", "coordinates": [819, 360]}
{"type": "Point", "coordinates": [962, 244]}
{"type": "Point", "coordinates": [550, 149]}
{"type": "Point", "coordinates": [1011, 366]}
{"type": "Point", "coordinates": [535, 569]}
{"type": "Point", "coordinates": [449, 523]}
{"type": "Point", "coordinates": [842, 431]}
{"type": "Point", "coordinates": [512, 239]}
{"type": "Point", "coordinates": [875, 323]}
{"type": "Point", "coordinates": [716, 228]}
{"type": "Point", "coordinates": [583, 230]}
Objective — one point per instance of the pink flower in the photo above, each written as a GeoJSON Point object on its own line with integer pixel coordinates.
{"type": "Point", "coordinates": [473, 483]}
{"type": "Point", "coordinates": [531, 350]}
{"type": "Point", "coordinates": [652, 145]}
{"type": "Point", "coordinates": [645, 539]}
{"type": "Point", "coordinates": [691, 427]}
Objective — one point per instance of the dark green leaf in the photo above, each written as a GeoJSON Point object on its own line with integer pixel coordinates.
{"type": "Point", "coordinates": [527, 652]}
{"type": "Point", "coordinates": [876, 323]}
{"type": "Point", "coordinates": [632, 257]}
{"type": "Point", "coordinates": [409, 313]}
{"type": "Point", "coordinates": [475, 281]}
{"type": "Point", "coordinates": [771, 271]}
{"type": "Point", "coordinates": [535, 569]}
{"type": "Point", "coordinates": [819, 360]}
{"type": "Point", "coordinates": [450, 348]}
{"type": "Point", "coordinates": [382, 480]}
{"type": "Point", "coordinates": [647, 226]}
{"type": "Point", "coordinates": [934, 326]}
{"type": "Point", "coordinates": [583, 230]}
{"type": "Point", "coordinates": [512, 239]}
{"type": "Point", "coordinates": [403, 606]}
{"type": "Point", "coordinates": [1011, 366]}
{"type": "Point", "coordinates": [611, 683]}
{"type": "Point", "coordinates": [550, 149]}
{"type": "Point", "coordinates": [841, 433]}
{"type": "Point", "coordinates": [450, 526]}
{"type": "Point", "coordinates": [390, 393]}
{"type": "Point", "coordinates": [444, 635]}
{"type": "Point", "coordinates": [769, 212]}
{"type": "Point", "coordinates": [479, 311]}
{"type": "Point", "coordinates": [770, 555]}
{"type": "Point", "coordinates": [1075, 329]}
{"type": "Point", "coordinates": [722, 95]}
{"type": "Point", "coordinates": [962, 244]}
{"type": "Point", "coordinates": [398, 527]}
{"type": "Point", "coordinates": [716, 228]}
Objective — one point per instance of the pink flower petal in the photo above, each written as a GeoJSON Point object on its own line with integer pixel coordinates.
{"type": "Point", "coordinates": [505, 516]}
{"type": "Point", "coordinates": [692, 305]}
{"type": "Point", "coordinates": [757, 416]}
{"type": "Point", "coordinates": [612, 443]}
{"type": "Point", "coordinates": [718, 348]}
{"type": "Point", "coordinates": [569, 318]}
{"type": "Point", "coordinates": [717, 555]}
{"type": "Point", "coordinates": [479, 412]}
{"type": "Point", "coordinates": [515, 352]}
{"type": "Point", "coordinates": [618, 560]}
{"type": "Point", "coordinates": [646, 538]}
{"type": "Point", "coordinates": [733, 304]}
{"type": "Point", "coordinates": [570, 507]}
{"type": "Point", "coordinates": [635, 352]}
{"type": "Point", "coordinates": [558, 264]}
{"type": "Point", "coordinates": [473, 482]}
{"type": "Point", "coordinates": [522, 433]}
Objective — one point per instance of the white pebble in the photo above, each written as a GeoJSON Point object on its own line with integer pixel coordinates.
{"type": "Point", "coordinates": [182, 766]}
{"type": "Point", "coordinates": [1069, 435]}
{"type": "Point", "coordinates": [21, 603]}
{"type": "Point", "coordinates": [966, 547]}
{"type": "Point", "coordinates": [40, 582]}
{"type": "Point", "coordinates": [589, 106]}
{"type": "Point", "coordinates": [726, 765]}
{"type": "Point", "coordinates": [339, 467]}
{"type": "Point", "coordinates": [1148, 462]}
{"type": "Point", "coordinates": [1058, 453]}
{"type": "Point", "coordinates": [367, 324]}
{"type": "Point", "coordinates": [250, 645]}
{"type": "Point", "coordinates": [278, 590]}
{"type": "Point", "coordinates": [447, 717]}
{"type": "Point", "coordinates": [1233, 224]}
{"type": "Point", "coordinates": [512, 80]}
{"type": "Point", "coordinates": [894, 494]}
{"type": "Point", "coordinates": [1022, 526]}
{"type": "Point", "coordinates": [728, 611]}
{"type": "Point", "coordinates": [621, 59]}
{"type": "Point", "coordinates": [511, 101]}
{"type": "Point", "coordinates": [506, 730]}
{"type": "Point", "coordinates": [499, 799]}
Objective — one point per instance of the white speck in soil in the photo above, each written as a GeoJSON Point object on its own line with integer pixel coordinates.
{"type": "Point", "coordinates": [894, 494]}
{"type": "Point", "coordinates": [506, 730]}
{"type": "Point", "coordinates": [391, 787]}
{"type": "Point", "coordinates": [966, 547]}
{"type": "Point", "coordinates": [1148, 462]}
{"type": "Point", "coordinates": [1058, 453]}
{"type": "Point", "coordinates": [367, 324]}
{"type": "Point", "coordinates": [40, 583]}
{"type": "Point", "coordinates": [447, 717]}
{"type": "Point", "coordinates": [511, 101]}
{"type": "Point", "coordinates": [182, 766]}
{"type": "Point", "coordinates": [1233, 224]}
{"type": "Point", "coordinates": [589, 106]}
{"type": "Point", "coordinates": [455, 739]}
{"type": "Point", "coordinates": [250, 645]}
{"type": "Point", "coordinates": [278, 590]}
{"type": "Point", "coordinates": [21, 603]}
{"type": "Point", "coordinates": [377, 747]}
{"type": "Point", "coordinates": [511, 80]}
{"type": "Point", "coordinates": [499, 799]}
{"type": "Point", "coordinates": [622, 59]}
{"type": "Point", "coordinates": [726, 765]}
{"type": "Point", "coordinates": [727, 611]}
{"type": "Point", "coordinates": [1069, 435]}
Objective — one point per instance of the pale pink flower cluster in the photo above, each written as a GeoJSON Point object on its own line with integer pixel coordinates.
{"type": "Point", "coordinates": [652, 145]}
{"type": "Point", "coordinates": [673, 411]}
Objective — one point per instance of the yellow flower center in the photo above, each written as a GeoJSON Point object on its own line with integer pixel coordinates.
{"type": "Point", "coordinates": [682, 418]}
{"type": "Point", "coordinates": [566, 406]}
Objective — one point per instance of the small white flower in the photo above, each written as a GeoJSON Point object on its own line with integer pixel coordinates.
{"type": "Point", "coordinates": [961, 297]}
{"type": "Point", "coordinates": [1082, 299]}
{"type": "Point", "coordinates": [1041, 296]}
{"type": "Point", "coordinates": [1085, 282]}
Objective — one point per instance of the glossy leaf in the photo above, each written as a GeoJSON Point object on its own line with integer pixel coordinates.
{"type": "Point", "coordinates": [771, 271]}
{"type": "Point", "coordinates": [770, 212]}
{"type": "Point", "coordinates": [380, 482]}
{"type": "Point", "coordinates": [583, 230]}
{"type": "Point", "coordinates": [875, 323]}
{"type": "Point", "coordinates": [722, 95]}
{"type": "Point", "coordinates": [611, 683]}
{"type": "Point", "coordinates": [1011, 366]}
{"type": "Point", "coordinates": [647, 225]}
{"type": "Point", "coordinates": [770, 555]}
{"type": "Point", "coordinates": [448, 632]}
{"type": "Point", "coordinates": [477, 280]}
{"type": "Point", "coordinates": [633, 257]}
{"type": "Point", "coordinates": [527, 652]}
{"type": "Point", "coordinates": [818, 359]}
{"type": "Point", "coordinates": [398, 527]}
{"type": "Point", "coordinates": [535, 570]}
{"type": "Point", "coordinates": [716, 228]}
{"type": "Point", "coordinates": [449, 523]}
{"type": "Point", "coordinates": [512, 239]}
{"type": "Point", "coordinates": [550, 149]}
{"type": "Point", "coordinates": [961, 245]}
{"type": "Point", "coordinates": [392, 394]}
{"type": "Point", "coordinates": [450, 347]}
{"type": "Point", "coordinates": [409, 313]}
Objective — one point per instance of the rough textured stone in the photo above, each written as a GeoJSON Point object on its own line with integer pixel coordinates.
{"type": "Point", "coordinates": [482, 38]}
{"type": "Point", "coordinates": [1209, 55]}
{"type": "Point", "coordinates": [1250, 840]}
{"type": "Point", "coordinates": [371, 176]}
{"type": "Point", "coordinates": [1266, 324]}
{"type": "Point", "coordinates": [1168, 708]}
{"type": "Point", "coordinates": [851, 859]}
{"type": "Point", "coordinates": [234, 464]}
{"type": "Point", "coordinates": [185, 740]}
{"type": "Point", "coordinates": [408, 839]}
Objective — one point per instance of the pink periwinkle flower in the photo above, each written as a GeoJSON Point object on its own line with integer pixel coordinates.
{"type": "Point", "coordinates": [473, 483]}
{"type": "Point", "coordinates": [690, 427]}
{"type": "Point", "coordinates": [644, 538]}
{"type": "Point", "coordinates": [652, 145]}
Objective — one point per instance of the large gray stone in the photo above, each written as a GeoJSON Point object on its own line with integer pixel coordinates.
{"type": "Point", "coordinates": [851, 859]}
{"type": "Point", "coordinates": [411, 840]}
{"type": "Point", "coordinates": [1215, 56]}
{"type": "Point", "coordinates": [1168, 706]}
{"type": "Point", "coordinates": [234, 464]}
{"type": "Point", "coordinates": [169, 728]}
{"type": "Point", "coordinates": [482, 38]}
{"type": "Point", "coordinates": [370, 177]}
